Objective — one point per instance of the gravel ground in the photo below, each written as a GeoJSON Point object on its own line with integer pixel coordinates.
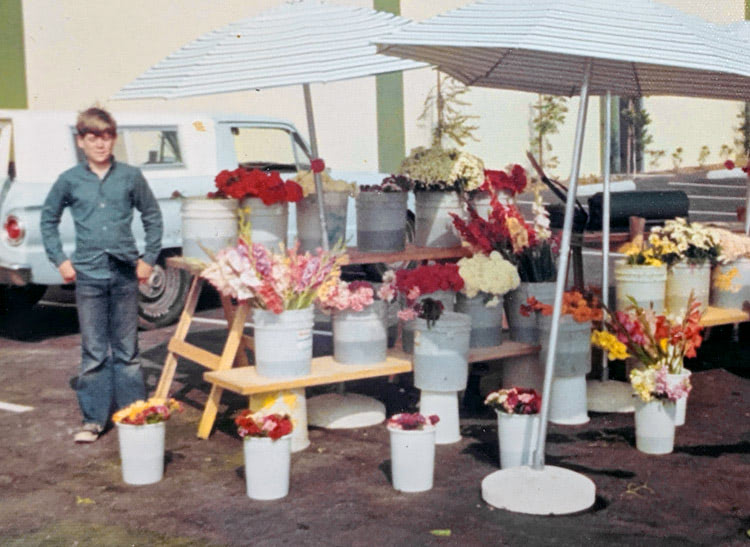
{"type": "Point", "coordinates": [53, 492]}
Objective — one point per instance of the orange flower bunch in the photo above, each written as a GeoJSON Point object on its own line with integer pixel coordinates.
{"type": "Point", "coordinates": [582, 308]}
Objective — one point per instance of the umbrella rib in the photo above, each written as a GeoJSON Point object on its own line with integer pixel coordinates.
{"type": "Point", "coordinates": [492, 68]}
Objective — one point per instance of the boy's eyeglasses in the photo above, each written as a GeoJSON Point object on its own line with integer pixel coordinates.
{"type": "Point", "coordinates": [93, 137]}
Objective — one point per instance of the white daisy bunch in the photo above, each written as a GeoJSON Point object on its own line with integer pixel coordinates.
{"type": "Point", "coordinates": [490, 274]}
{"type": "Point", "coordinates": [733, 246]}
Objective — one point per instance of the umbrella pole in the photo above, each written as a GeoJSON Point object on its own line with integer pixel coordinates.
{"type": "Point", "coordinates": [562, 267]}
{"type": "Point", "coordinates": [316, 176]}
{"type": "Point", "coordinates": [606, 219]}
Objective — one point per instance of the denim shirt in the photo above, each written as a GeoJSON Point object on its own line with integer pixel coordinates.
{"type": "Point", "coordinates": [102, 211]}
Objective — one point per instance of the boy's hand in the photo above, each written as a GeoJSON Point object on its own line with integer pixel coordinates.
{"type": "Point", "coordinates": [67, 271]}
{"type": "Point", "coordinates": [143, 271]}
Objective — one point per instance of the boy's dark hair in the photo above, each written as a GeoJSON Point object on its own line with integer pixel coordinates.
{"type": "Point", "coordinates": [97, 121]}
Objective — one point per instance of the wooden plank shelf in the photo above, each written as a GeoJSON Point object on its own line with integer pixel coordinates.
{"type": "Point", "coordinates": [723, 316]}
{"type": "Point", "coordinates": [411, 252]}
{"type": "Point", "coordinates": [323, 370]}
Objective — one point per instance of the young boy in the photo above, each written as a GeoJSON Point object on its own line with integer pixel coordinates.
{"type": "Point", "coordinates": [101, 194]}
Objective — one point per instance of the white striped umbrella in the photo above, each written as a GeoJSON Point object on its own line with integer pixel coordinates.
{"type": "Point", "coordinates": [295, 43]}
{"type": "Point", "coordinates": [573, 47]}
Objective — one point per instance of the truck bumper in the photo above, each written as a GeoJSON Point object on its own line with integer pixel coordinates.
{"type": "Point", "coordinates": [15, 274]}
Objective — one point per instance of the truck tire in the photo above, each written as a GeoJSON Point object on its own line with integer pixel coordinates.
{"type": "Point", "coordinates": [160, 301]}
{"type": "Point", "coordinates": [18, 300]}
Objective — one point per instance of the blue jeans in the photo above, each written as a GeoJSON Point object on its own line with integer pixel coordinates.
{"type": "Point", "coordinates": [108, 318]}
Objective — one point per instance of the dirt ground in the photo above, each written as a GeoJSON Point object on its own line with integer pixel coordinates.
{"type": "Point", "coordinates": [53, 492]}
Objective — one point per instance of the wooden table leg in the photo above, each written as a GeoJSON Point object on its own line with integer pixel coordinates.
{"type": "Point", "coordinates": [228, 356]}
{"type": "Point", "coordinates": [170, 364]}
{"type": "Point", "coordinates": [229, 312]}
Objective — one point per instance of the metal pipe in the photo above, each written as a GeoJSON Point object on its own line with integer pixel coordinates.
{"type": "Point", "coordinates": [562, 267]}
{"type": "Point", "coordinates": [316, 176]}
{"type": "Point", "coordinates": [606, 219]}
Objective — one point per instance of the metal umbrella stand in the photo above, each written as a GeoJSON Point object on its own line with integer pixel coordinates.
{"type": "Point", "coordinates": [572, 47]}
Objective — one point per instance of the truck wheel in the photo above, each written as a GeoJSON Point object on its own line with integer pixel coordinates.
{"type": "Point", "coordinates": [18, 300]}
{"type": "Point", "coordinates": [161, 300]}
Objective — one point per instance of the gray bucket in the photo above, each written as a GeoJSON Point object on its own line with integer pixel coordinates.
{"type": "Point", "coordinates": [486, 323]}
{"type": "Point", "coordinates": [283, 342]}
{"type": "Point", "coordinates": [381, 221]}
{"type": "Point", "coordinates": [434, 225]}
{"type": "Point", "coordinates": [308, 220]}
{"type": "Point", "coordinates": [359, 337]}
{"type": "Point", "coordinates": [573, 355]}
{"type": "Point", "coordinates": [730, 285]}
{"type": "Point", "coordinates": [524, 329]}
{"type": "Point", "coordinates": [441, 353]}
{"type": "Point", "coordinates": [268, 223]}
{"type": "Point", "coordinates": [208, 224]}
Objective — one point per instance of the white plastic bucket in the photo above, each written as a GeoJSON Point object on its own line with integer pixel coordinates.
{"type": "Point", "coordinates": [283, 342]}
{"type": "Point", "coordinates": [441, 352]}
{"type": "Point", "coordinates": [381, 221]}
{"type": "Point", "coordinates": [308, 220]}
{"type": "Point", "coordinates": [573, 354]}
{"type": "Point", "coordinates": [267, 467]}
{"type": "Point", "coordinates": [412, 459]}
{"type": "Point", "coordinates": [682, 279]}
{"type": "Point", "coordinates": [208, 223]}
{"type": "Point", "coordinates": [141, 452]}
{"type": "Point", "coordinates": [445, 405]}
{"type": "Point", "coordinates": [486, 322]}
{"type": "Point", "coordinates": [517, 436]}
{"type": "Point", "coordinates": [360, 337]}
{"type": "Point", "coordinates": [567, 401]}
{"type": "Point", "coordinates": [646, 284]}
{"type": "Point", "coordinates": [730, 284]}
{"type": "Point", "coordinates": [654, 426]}
{"type": "Point", "coordinates": [522, 328]}
{"type": "Point", "coordinates": [268, 223]}
{"type": "Point", "coordinates": [680, 407]}
{"type": "Point", "coordinates": [434, 225]}
{"type": "Point", "coordinates": [446, 298]}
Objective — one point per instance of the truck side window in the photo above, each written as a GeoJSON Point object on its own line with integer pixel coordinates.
{"type": "Point", "coordinates": [265, 148]}
{"type": "Point", "coordinates": [152, 147]}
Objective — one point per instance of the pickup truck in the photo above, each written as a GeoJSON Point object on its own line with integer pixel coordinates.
{"type": "Point", "coordinates": [177, 152]}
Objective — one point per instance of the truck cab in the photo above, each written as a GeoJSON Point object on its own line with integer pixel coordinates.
{"type": "Point", "coordinates": [178, 153]}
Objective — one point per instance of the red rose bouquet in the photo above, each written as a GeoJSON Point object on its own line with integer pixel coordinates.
{"type": "Point", "coordinates": [242, 183]}
{"type": "Point", "coordinates": [427, 279]}
{"type": "Point", "coordinates": [251, 424]}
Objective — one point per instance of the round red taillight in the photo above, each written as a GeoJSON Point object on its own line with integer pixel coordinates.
{"type": "Point", "coordinates": [14, 230]}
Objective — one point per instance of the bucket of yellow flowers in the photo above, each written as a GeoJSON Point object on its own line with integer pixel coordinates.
{"type": "Point", "coordinates": [140, 430]}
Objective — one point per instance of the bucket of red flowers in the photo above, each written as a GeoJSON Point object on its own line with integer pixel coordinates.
{"type": "Point", "coordinates": [264, 202]}
{"type": "Point", "coordinates": [141, 431]}
{"type": "Point", "coordinates": [517, 411]}
{"type": "Point", "coordinates": [412, 451]}
{"type": "Point", "coordinates": [267, 447]}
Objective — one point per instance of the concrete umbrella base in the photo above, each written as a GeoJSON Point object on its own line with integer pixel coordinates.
{"type": "Point", "coordinates": [548, 491]}
{"type": "Point", "coordinates": [609, 396]}
{"type": "Point", "coordinates": [344, 411]}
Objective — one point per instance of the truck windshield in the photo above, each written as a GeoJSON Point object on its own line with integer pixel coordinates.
{"type": "Point", "coordinates": [268, 149]}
